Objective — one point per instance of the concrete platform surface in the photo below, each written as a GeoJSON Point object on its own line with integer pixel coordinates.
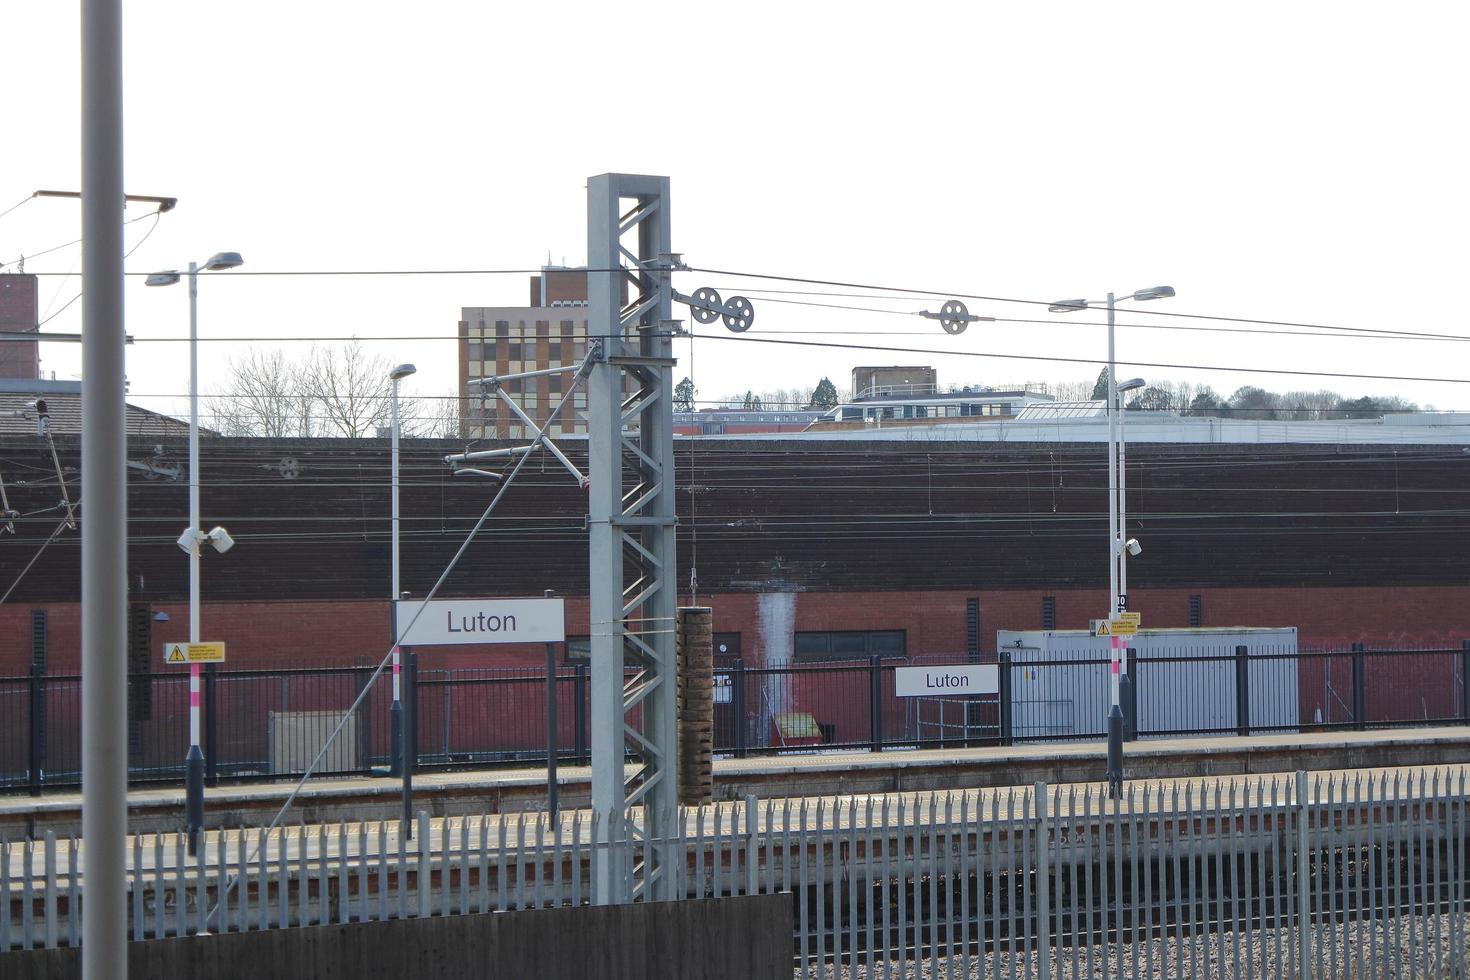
{"type": "Point", "coordinates": [798, 774]}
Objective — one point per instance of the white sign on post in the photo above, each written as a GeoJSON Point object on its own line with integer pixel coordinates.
{"type": "Point", "coordinates": [461, 622]}
{"type": "Point", "coordinates": [919, 682]}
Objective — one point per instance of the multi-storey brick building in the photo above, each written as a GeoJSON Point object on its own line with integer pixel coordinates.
{"type": "Point", "coordinates": [497, 340]}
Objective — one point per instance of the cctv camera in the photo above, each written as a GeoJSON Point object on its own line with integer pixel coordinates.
{"type": "Point", "coordinates": [220, 539]}
{"type": "Point", "coordinates": [1134, 548]}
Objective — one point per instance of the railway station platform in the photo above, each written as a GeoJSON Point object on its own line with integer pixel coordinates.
{"type": "Point", "coordinates": [473, 792]}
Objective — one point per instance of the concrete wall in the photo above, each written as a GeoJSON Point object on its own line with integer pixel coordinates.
{"type": "Point", "coordinates": [712, 939]}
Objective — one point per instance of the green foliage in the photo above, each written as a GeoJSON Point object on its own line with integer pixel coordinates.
{"type": "Point", "coordinates": [824, 395]}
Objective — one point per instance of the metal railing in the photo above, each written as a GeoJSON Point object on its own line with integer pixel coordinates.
{"type": "Point", "coordinates": [1336, 876]}
{"type": "Point", "coordinates": [261, 725]}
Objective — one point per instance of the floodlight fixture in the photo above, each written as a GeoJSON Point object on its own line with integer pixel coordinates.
{"type": "Point", "coordinates": [1156, 292]}
{"type": "Point", "coordinates": [220, 539]}
{"type": "Point", "coordinates": [223, 260]}
{"type": "Point", "coordinates": [189, 540]}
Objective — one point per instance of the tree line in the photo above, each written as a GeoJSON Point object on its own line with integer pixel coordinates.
{"type": "Point", "coordinates": [332, 390]}
{"type": "Point", "coordinates": [1251, 402]}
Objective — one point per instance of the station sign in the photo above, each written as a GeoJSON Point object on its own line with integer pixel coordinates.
{"type": "Point", "coordinates": [950, 679]}
{"type": "Point", "coordinates": [462, 622]}
{"type": "Point", "coordinates": [193, 653]}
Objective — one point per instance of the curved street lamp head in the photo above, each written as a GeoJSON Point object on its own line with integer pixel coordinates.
{"type": "Point", "coordinates": [1067, 306]}
{"type": "Point", "coordinates": [1130, 385]}
{"type": "Point", "coordinates": [223, 260]}
{"type": "Point", "coordinates": [401, 371]}
{"type": "Point", "coordinates": [167, 278]}
{"type": "Point", "coordinates": [1157, 292]}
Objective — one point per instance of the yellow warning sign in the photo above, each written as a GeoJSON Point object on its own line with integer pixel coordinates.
{"type": "Point", "coordinates": [1121, 627]}
{"type": "Point", "coordinates": [1131, 617]}
{"type": "Point", "coordinates": [193, 653]}
{"type": "Point", "coordinates": [1101, 628]}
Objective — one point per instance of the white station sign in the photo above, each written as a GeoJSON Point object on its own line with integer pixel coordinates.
{"type": "Point", "coordinates": [928, 682]}
{"type": "Point", "coordinates": [462, 622]}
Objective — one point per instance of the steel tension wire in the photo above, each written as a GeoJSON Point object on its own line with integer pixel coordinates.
{"type": "Point", "coordinates": [378, 671]}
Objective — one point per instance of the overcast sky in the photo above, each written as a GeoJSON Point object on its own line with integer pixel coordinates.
{"type": "Point", "coordinates": [1300, 162]}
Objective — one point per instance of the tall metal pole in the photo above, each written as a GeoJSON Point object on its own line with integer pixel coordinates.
{"type": "Point", "coordinates": [1115, 662]}
{"type": "Point", "coordinates": [631, 537]}
{"type": "Point", "coordinates": [104, 493]}
{"type": "Point", "coordinates": [552, 804]}
{"type": "Point", "coordinates": [1112, 394]}
{"type": "Point", "coordinates": [194, 761]}
{"type": "Point", "coordinates": [1122, 505]}
{"type": "Point", "coordinates": [395, 712]}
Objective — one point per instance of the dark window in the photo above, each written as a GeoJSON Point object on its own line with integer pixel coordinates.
{"type": "Point", "coordinates": [1196, 611]}
{"type": "Point", "coordinates": [566, 326]}
{"type": "Point", "coordinates": [1048, 612]}
{"type": "Point", "coordinates": [502, 329]}
{"type": "Point", "coordinates": [553, 351]}
{"type": "Point", "coordinates": [477, 350]}
{"type": "Point", "coordinates": [849, 644]}
{"type": "Point", "coordinates": [514, 353]}
{"type": "Point", "coordinates": [972, 628]}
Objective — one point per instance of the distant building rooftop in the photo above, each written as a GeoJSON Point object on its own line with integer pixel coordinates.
{"type": "Point", "coordinates": [64, 406]}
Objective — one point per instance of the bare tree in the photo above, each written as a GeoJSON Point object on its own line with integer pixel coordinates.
{"type": "Point", "coordinates": [334, 391]}
{"type": "Point", "coordinates": [263, 397]}
{"type": "Point", "coordinates": [349, 389]}
{"type": "Point", "coordinates": [431, 417]}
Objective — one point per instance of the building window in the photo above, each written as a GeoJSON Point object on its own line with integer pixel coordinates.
{"type": "Point", "coordinates": [553, 352]}
{"type": "Point", "coordinates": [502, 329]}
{"type": "Point", "coordinates": [1196, 611]}
{"type": "Point", "coordinates": [1048, 612]}
{"type": "Point", "coordinates": [849, 644]}
{"type": "Point", "coordinates": [476, 351]}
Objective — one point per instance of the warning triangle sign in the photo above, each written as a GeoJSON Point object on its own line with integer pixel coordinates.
{"type": "Point", "coordinates": [175, 654]}
{"type": "Point", "coordinates": [1104, 628]}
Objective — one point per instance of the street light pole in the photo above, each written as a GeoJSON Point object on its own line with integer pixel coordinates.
{"type": "Point", "coordinates": [395, 712]}
{"type": "Point", "coordinates": [195, 537]}
{"type": "Point", "coordinates": [1117, 526]}
{"type": "Point", "coordinates": [194, 761]}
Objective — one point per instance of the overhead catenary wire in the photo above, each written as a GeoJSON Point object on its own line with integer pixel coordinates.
{"type": "Point", "coordinates": [744, 338]}
{"type": "Point", "coordinates": [954, 294]}
{"type": "Point", "coordinates": [505, 485]}
{"type": "Point", "coordinates": [74, 241]}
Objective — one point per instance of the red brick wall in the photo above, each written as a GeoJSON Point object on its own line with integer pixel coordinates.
{"type": "Point", "coordinates": [265, 635]}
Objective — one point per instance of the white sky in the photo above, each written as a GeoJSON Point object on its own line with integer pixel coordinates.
{"type": "Point", "coordinates": [1299, 162]}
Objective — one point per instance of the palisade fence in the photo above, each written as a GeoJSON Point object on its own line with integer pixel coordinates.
{"type": "Point", "coordinates": [1337, 876]}
{"type": "Point", "coordinates": [270, 724]}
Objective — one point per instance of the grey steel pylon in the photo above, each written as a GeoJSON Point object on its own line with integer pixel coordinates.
{"type": "Point", "coordinates": [632, 557]}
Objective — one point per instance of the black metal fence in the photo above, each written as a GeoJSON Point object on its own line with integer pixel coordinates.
{"type": "Point", "coordinates": [272, 724]}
